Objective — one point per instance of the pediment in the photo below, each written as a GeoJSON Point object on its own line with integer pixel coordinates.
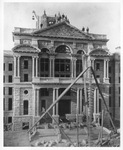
{"type": "Point", "coordinates": [25, 48]}
{"type": "Point", "coordinates": [99, 52]}
{"type": "Point", "coordinates": [64, 30]}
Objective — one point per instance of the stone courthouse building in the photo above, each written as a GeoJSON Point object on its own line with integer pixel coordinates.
{"type": "Point", "coordinates": [46, 60]}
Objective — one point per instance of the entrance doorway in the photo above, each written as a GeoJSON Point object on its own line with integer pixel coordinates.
{"type": "Point", "coordinates": [64, 108]}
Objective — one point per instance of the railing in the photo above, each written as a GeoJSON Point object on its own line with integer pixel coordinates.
{"type": "Point", "coordinates": [61, 80]}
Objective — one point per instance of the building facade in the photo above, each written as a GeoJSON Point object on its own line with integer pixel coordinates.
{"type": "Point", "coordinates": [43, 63]}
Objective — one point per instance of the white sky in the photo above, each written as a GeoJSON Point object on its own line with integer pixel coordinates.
{"type": "Point", "coordinates": [101, 18]}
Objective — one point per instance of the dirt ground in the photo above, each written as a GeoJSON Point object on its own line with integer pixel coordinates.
{"type": "Point", "coordinates": [18, 139]}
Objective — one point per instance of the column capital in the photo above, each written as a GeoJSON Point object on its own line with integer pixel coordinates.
{"type": "Point", "coordinates": [106, 59]}
{"type": "Point", "coordinates": [92, 59]}
{"type": "Point", "coordinates": [36, 88]}
{"type": "Point", "coordinates": [35, 56]}
{"type": "Point", "coordinates": [51, 56]}
{"type": "Point", "coordinates": [56, 88]}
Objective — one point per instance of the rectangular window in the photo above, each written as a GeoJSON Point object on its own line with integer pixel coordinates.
{"type": "Point", "coordinates": [119, 90]}
{"type": "Point", "coordinates": [119, 79]}
{"type": "Point", "coordinates": [9, 119]}
{"type": "Point", "coordinates": [10, 66]}
{"type": "Point", "coordinates": [44, 67]}
{"type": "Point", "coordinates": [119, 101]}
{"type": "Point", "coordinates": [10, 78]}
{"type": "Point", "coordinates": [4, 66]}
{"type": "Point", "coordinates": [10, 104]}
{"type": "Point", "coordinates": [3, 103]}
{"type": "Point", "coordinates": [25, 64]}
{"type": "Point", "coordinates": [10, 90]}
{"type": "Point", "coordinates": [25, 106]}
{"type": "Point", "coordinates": [25, 125]}
{"type": "Point", "coordinates": [109, 90]}
{"type": "Point", "coordinates": [100, 106]}
{"type": "Point", "coordinates": [44, 92]}
{"type": "Point", "coordinates": [109, 101]}
{"type": "Point", "coordinates": [3, 90]}
{"type": "Point", "coordinates": [109, 79]}
{"type": "Point", "coordinates": [25, 77]}
{"type": "Point", "coordinates": [97, 66]}
{"type": "Point", "coordinates": [3, 79]}
{"type": "Point", "coordinates": [43, 105]}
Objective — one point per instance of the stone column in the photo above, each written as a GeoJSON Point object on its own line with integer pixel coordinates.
{"type": "Point", "coordinates": [36, 66]}
{"type": "Point", "coordinates": [74, 70]}
{"type": "Point", "coordinates": [15, 67]}
{"type": "Point", "coordinates": [33, 64]}
{"type": "Point", "coordinates": [56, 99]}
{"type": "Point", "coordinates": [92, 63]}
{"type": "Point", "coordinates": [53, 101]}
{"type": "Point", "coordinates": [81, 106]}
{"type": "Point", "coordinates": [97, 100]}
{"type": "Point", "coordinates": [107, 76]}
{"type": "Point", "coordinates": [77, 106]}
{"type": "Point", "coordinates": [34, 102]}
{"type": "Point", "coordinates": [55, 108]}
{"type": "Point", "coordinates": [104, 70]}
{"type": "Point", "coordinates": [19, 66]}
{"type": "Point", "coordinates": [53, 66]}
{"type": "Point", "coordinates": [50, 66]}
{"type": "Point", "coordinates": [37, 102]}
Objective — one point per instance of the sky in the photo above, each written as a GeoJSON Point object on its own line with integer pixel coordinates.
{"type": "Point", "coordinates": [101, 18]}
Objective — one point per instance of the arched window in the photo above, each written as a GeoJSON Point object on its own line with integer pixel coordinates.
{"type": "Point", "coordinates": [63, 49]}
{"type": "Point", "coordinates": [25, 107]}
{"type": "Point", "coordinates": [44, 50]}
{"type": "Point", "coordinates": [80, 52]}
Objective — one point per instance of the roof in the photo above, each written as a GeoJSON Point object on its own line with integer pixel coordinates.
{"type": "Point", "coordinates": [26, 48]}
{"type": "Point", "coordinates": [61, 30]}
{"type": "Point", "coordinates": [7, 53]}
{"type": "Point", "coordinates": [100, 52]}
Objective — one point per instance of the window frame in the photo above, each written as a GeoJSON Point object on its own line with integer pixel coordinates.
{"type": "Point", "coordinates": [9, 104]}
{"type": "Point", "coordinates": [26, 66]}
{"type": "Point", "coordinates": [26, 77]}
{"type": "Point", "coordinates": [25, 107]}
{"type": "Point", "coordinates": [61, 66]}
{"type": "Point", "coordinates": [10, 90]}
{"type": "Point", "coordinates": [10, 78]}
{"type": "Point", "coordinates": [10, 119]}
{"type": "Point", "coordinates": [97, 66]}
{"type": "Point", "coordinates": [10, 68]}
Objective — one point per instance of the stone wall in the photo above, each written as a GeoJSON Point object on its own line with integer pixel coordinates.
{"type": "Point", "coordinates": [19, 120]}
{"type": "Point", "coordinates": [16, 102]}
{"type": "Point", "coordinates": [26, 96]}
